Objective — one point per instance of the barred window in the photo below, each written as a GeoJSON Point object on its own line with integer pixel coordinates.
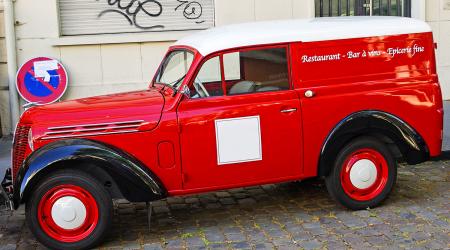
{"type": "Point", "coordinates": [363, 8]}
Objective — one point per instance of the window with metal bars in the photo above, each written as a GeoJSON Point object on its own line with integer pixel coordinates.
{"type": "Point", "coordinates": [363, 8]}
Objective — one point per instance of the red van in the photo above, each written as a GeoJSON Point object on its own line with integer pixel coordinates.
{"type": "Point", "coordinates": [248, 104]}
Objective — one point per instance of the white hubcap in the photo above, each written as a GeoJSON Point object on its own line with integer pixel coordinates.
{"type": "Point", "coordinates": [363, 174]}
{"type": "Point", "coordinates": [68, 212]}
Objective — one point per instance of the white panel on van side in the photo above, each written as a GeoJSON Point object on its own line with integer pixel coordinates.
{"type": "Point", "coordinates": [238, 140]}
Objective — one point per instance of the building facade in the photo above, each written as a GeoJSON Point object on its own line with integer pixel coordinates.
{"type": "Point", "coordinates": [5, 123]}
{"type": "Point", "coordinates": [110, 46]}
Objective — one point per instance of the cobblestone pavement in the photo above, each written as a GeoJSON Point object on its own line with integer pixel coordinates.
{"type": "Point", "coordinates": [283, 216]}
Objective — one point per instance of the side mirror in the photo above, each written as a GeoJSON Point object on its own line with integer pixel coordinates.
{"type": "Point", "coordinates": [186, 91]}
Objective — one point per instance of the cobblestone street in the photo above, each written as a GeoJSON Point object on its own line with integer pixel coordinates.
{"type": "Point", "coordinates": [284, 216]}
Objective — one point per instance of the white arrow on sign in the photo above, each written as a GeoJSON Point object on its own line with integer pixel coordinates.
{"type": "Point", "coordinates": [41, 68]}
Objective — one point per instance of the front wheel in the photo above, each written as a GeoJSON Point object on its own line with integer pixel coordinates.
{"type": "Point", "coordinates": [69, 210]}
{"type": "Point", "coordinates": [364, 174]}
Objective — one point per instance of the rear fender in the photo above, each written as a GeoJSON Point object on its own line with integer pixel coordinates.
{"type": "Point", "coordinates": [377, 123]}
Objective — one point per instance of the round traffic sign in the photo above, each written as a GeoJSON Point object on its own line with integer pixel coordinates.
{"type": "Point", "coordinates": [41, 80]}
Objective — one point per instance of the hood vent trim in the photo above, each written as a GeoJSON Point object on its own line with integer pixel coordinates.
{"type": "Point", "coordinates": [93, 129]}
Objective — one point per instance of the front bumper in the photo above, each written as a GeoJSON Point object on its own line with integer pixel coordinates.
{"type": "Point", "coordinates": [6, 188]}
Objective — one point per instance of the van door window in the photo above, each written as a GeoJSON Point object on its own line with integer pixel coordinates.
{"type": "Point", "coordinates": [251, 71]}
{"type": "Point", "coordinates": [208, 81]}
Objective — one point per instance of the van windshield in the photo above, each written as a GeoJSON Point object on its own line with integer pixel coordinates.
{"type": "Point", "coordinates": [174, 68]}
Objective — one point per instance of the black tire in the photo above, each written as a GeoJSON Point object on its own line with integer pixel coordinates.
{"type": "Point", "coordinates": [86, 182]}
{"type": "Point", "coordinates": [334, 180]}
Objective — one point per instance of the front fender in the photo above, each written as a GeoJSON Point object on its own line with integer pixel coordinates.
{"type": "Point", "coordinates": [135, 181]}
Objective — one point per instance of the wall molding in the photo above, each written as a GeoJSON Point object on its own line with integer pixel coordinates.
{"type": "Point", "coordinates": [119, 38]}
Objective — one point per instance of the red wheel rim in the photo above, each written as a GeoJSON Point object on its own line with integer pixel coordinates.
{"type": "Point", "coordinates": [364, 174]}
{"type": "Point", "coordinates": [84, 213]}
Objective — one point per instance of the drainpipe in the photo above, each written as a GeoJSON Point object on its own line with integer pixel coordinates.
{"type": "Point", "coordinates": [10, 39]}
{"type": "Point", "coordinates": [418, 9]}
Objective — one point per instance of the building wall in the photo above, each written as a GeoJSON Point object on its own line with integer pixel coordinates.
{"type": "Point", "coordinates": [100, 64]}
{"type": "Point", "coordinates": [438, 16]}
{"type": "Point", "coordinates": [4, 98]}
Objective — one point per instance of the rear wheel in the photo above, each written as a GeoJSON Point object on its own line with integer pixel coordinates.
{"type": "Point", "coordinates": [363, 175]}
{"type": "Point", "coordinates": [69, 210]}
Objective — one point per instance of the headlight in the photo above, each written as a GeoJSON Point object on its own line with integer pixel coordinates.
{"type": "Point", "coordinates": [30, 139]}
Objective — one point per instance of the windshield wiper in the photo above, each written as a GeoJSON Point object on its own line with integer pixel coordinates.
{"type": "Point", "coordinates": [167, 85]}
{"type": "Point", "coordinates": [175, 84]}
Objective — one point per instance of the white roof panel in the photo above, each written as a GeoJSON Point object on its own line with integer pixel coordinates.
{"type": "Point", "coordinates": [305, 30]}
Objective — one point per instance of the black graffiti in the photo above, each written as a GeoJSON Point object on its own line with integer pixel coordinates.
{"type": "Point", "coordinates": [192, 10]}
{"type": "Point", "coordinates": [133, 10]}
{"type": "Point", "coordinates": [130, 11]}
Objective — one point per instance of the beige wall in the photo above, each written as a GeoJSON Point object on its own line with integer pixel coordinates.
{"type": "Point", "coordinates": [113, 63]}
{"type": "Point", "coordinates": [100, 64]}
{"type": "Point", "coordinates": [4, 98]}
{"type": "Point", "coordinates": [438, 16]}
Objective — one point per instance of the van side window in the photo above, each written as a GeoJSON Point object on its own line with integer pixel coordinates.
{"type": "Point", "coordinates": [247, 71]}
{"type": "Point", "coordinates": [208, 81]}
{"type": "Point", "coordinates": [259, 70]}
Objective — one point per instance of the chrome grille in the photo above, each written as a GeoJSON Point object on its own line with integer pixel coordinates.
{"type": "Point", "coordinates": [19, 147]}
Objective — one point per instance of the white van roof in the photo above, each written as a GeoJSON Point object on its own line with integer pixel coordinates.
{"type": "Point", "coordinates": [305, 30]}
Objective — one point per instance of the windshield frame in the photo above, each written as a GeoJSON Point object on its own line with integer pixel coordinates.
{"type": "Point", "coordinates": [164, 62]}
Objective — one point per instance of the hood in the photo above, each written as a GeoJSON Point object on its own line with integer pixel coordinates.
{"type": "Point", "coordinates": [139, 108]}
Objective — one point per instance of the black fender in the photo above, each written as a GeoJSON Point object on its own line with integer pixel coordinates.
{"type": "Point", "coordinates": [377, 123]}
{"type": "Point", "coordinates": [134, 180]}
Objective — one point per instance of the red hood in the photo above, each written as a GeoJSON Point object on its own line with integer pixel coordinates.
{"type": "Point", "coordinates": [144, 106]}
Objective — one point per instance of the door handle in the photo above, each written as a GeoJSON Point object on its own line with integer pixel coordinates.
{"type": "Point", "coordinates": [309, 94]}
{"type": "Point", "coordinates": [288, 110]}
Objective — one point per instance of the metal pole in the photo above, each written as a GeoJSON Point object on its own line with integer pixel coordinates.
{"type": "Point", "coordinates": [407, 8]}
{"type": "Point", "coordinates": [388, 7]}
{"type": "Point", "coordinates": [10, 39]}
{"type": "Point", "coordinates": [380, 7]}
{"type": "Point", "coordinates": [371, 7]}
{"type": "Point", "coordinates": [339, 7]}
{"type": "Point", "coordinates": [348, 8]}
{"type": "Point", "coordinates": [330, 8]}
{"type": "Point", "coordinates": [321, 8]}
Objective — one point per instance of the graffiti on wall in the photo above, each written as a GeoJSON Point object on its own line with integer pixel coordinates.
{"type": "Point", "coordinates": [131, 10]}
{"type": "Point", "coordinates": [118, 16]}
{"type": "Point", "coordinates": [191, 10]}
